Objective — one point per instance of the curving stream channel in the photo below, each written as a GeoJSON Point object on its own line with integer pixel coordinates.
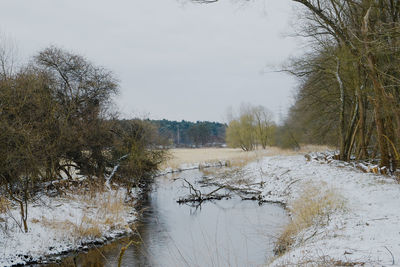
{"type": "Point", "coordinates": [227, 232]}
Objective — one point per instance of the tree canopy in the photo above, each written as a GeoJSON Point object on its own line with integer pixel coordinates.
{"type": "Point", "coordinates": [55, 124]}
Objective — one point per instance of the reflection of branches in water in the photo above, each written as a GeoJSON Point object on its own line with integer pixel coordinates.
{"type": "Point", "coordinates": [196, 210]}
{"type": "Point", "coordinates": [221, 207]}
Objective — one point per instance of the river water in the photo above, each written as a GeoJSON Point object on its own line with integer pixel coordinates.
{"type": "Point", "coordinates": [227, 232]}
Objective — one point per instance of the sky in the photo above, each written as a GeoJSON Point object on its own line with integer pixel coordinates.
{"type": "Point", "coordinates": [174, 59]}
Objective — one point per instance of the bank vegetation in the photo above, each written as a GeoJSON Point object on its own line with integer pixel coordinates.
{"type": "Point", "coordinates": [57, 124]}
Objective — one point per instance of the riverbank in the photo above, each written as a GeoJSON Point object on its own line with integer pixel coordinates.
{"type": "Point", "coordinates": [341, 216]}
{"type": "Point", "coordinates": [85, 215]}
{"type": "Point", "coordinates": [60, 225]}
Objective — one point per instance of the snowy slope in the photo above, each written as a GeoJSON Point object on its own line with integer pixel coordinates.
{"type": "Point", "coordinates": [367, 232]}
{"type": "Point", "coordinates": [56, 226]}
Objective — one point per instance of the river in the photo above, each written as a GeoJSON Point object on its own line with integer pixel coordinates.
{"type": "Point", "coordinates": [227, 232]}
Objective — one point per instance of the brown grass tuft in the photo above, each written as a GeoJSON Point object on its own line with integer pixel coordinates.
{"type": "Point", "coordinates": [88, 227]}
{"type": "Point", "coordinates": [85, 228]}
{"type": "Point", "coordinates": [103, 210]}
{"type": "Point", "coordinates": [4, 204]}
{"type": "Point", "coordinates": [312, 208]}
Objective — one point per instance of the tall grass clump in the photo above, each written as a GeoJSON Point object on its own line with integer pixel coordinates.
{"type": "Point", "coordinates": [312, 208]}
{"type": "Point", "coordinates": [98, 213]}
{"type": "Point", "coordinates": [4, 204]}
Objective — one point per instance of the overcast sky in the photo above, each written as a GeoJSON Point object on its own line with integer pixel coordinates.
{"type": "Point", "coordinates": [174, 60]}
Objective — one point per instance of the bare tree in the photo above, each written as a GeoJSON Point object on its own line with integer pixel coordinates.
{"type": "Point", "coordinates": [251, 127]}
{"type": "Point", "coordinates": [8, 56]}
{"type": "Point", "coordinates": [367, 33]}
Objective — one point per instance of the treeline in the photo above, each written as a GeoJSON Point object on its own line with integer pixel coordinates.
{"type": "Point", "coordinates": [56, 122]}
{"type": "Point", "coordinates": [191, 134]}
{"type": "Point", "coordinates": [350, 86]}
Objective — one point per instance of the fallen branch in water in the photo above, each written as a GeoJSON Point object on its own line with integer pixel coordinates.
{"type": "Point", "coordinates": [201, 200]}
{"type": "Point", "coordinates": [197, 196]}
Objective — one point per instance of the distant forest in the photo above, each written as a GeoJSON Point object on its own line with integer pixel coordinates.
{"type": "Point", "coordinates": [191, 134]}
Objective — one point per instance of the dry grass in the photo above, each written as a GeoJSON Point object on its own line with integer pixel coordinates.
{"type": "Point", "coordinates": [234, 156]}
{"type": "Point", "coordinates": [101, 210]}
{"type": "Point", "coordinates": [200, 155]}
{"type": "Point", "coordinates": [323, 261]}
{"type": "Point", "coordinates": [312, 208]}
{"type": "Point", "coordinates": [108, 205]}
{"type": "Point", "coordinates": [4, 204]}
{"type": "Point", "coordinates": [85, 228]}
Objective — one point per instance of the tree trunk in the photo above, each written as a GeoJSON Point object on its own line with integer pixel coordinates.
{"type": "Point", "coordinates": [378, 111]}
{"type": "Point", "coordinates": [351, 132]}
{"type": "Point", "coordinates": [379, 93]}
{"type": "Point", "coordinates": [363, 148]}
{"type": "Point", "coordinates": [23, 208]}
{"type": "Point", "coordinates": [343, 151]}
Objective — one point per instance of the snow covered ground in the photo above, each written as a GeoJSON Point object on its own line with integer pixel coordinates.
{"type": "Point", "coordinates": [60, 225]}
{"type": "Point", "coordinates": [366, 232]}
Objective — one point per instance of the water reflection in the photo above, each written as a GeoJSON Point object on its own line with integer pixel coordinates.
{"type": "Point", "coordinates": [228, 232]}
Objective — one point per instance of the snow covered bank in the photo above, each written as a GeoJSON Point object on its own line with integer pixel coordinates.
{"type": "Point", "coordinates": [366, 232]}
{"type": "Point", "coordinates": [59, 225]}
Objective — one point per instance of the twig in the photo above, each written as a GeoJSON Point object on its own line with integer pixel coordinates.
{"type": "Point", "coordinates": [379, 219]}
{"type": "Point", "coordinates": [390, 254]}
{"type": "Point", "coordinates": [305, 240]}
{"type": "Point", "coordinates": [191, 187]}
{"type": "Point", "coordinates": [122, 252]}
{"type": "Point", "coordinates": [287, 187]}
{"type": "Point", "coordinates": [284, 172]}
{"type": "Point", "coordinates": [101, 253]}
{"type": "Point", "coordinates": [216, 190]}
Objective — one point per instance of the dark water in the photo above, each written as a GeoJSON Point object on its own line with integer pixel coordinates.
{"type": "Point", "coordinates": [228, 232]}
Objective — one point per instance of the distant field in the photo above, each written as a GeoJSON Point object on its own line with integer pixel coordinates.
{"type": "Point", "coordinates": [181, 156]}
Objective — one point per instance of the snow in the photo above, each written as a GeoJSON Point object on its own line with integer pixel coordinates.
{"type": "Point", "coordinates": [368, 231]}
{"type": "Point", "coordinates": [52, 224]}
